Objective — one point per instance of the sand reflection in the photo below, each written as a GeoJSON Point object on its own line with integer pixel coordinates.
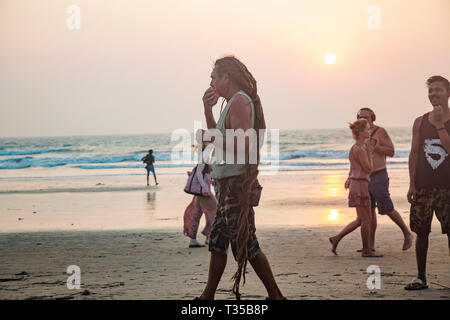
{"type": "Point", "coordinates": [151, 198]}
{"type": "Point", "coordinates": [333, 186]}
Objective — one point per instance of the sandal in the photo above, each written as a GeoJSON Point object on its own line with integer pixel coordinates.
{"type": "Point", "coordinates": [361, 250]}
{"type": "Point", "coordinates": [196, 246]}
{"type": "Point", "coordinates": [416, 284]}
{"type": "Point", "coordinates": [372, 254]}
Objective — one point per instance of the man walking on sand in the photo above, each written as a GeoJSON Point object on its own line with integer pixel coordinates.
{"type": "Point", "coordinates": [239, 189]}
{"type": "Point", "coordinates": [379, 179]}
{"type": "Point", "coordinates": [429, 172]}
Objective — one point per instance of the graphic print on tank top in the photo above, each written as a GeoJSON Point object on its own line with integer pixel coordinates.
{"type": "Point", "coordinates": [434, 152]}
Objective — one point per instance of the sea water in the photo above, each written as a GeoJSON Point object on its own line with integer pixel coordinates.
{"type": "Point", "coordinates": [298, 150]}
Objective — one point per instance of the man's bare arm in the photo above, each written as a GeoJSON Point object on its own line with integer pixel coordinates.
{"type": "Point", "coordinates": [439, 123]}
{"type": "Point", "coordinates": [210, 121]}
{"type": "Point", "coordinates": [445, 139]}
{"type": "Point", "coordinates": [240, 118]}
{"type": "Point", "coordinates": [240, 113]}
{"type": "Point", "coordinates": [207, 98]}
{"type": "Point", "coordinates": [385, 145]}
{"type": "Point", "coordinates": [414, 159]}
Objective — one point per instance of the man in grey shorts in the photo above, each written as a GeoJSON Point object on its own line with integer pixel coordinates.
{"type": "Point", "coordinates": [379, 179]}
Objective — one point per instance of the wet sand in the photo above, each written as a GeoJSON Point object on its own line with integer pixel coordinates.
{"type": "Point", "coordinates": [289, 199]}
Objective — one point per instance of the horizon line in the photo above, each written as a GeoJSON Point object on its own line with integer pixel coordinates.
{"type": "Point", "coordinates": [165, 133]}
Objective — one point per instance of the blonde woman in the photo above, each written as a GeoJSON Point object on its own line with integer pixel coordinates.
{"type": "Point", "coordinates": [361, 165]}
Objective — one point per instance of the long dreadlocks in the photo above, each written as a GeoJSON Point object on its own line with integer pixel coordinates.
{"type": "Point", "coordinates": [240, 75]}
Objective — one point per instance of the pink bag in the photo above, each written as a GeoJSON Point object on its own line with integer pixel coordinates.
{"type": "Point", "coordinates": [193, 186]}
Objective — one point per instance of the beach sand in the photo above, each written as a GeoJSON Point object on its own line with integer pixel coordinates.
{"type": "Point", "coordinates": [127, 240]}
{"type": "Point", "coordinates": [159, 265]}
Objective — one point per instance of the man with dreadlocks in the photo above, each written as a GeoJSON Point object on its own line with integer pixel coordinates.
{"type": "Point", "coordinates": [239, 189]}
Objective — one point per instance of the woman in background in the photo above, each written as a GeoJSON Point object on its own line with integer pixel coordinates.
{"type": "Point", "coordinates": [361, 165]}
{"type": "Point", "coordinates": [207, 204]}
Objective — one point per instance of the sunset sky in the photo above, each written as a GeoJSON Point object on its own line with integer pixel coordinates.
{"type": "Point", "coordinates": [140, 66]}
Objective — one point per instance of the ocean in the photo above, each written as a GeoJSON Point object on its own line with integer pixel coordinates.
{"type": "Point", "coordinates": [298, 150]}
{"type": "Point", "coordinates": [99, 182]}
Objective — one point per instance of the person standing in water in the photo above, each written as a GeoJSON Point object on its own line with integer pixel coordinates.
{"type": "Point", "coordinates": [379, 179]}
{"type": "Point", "coordinates": [149, 159]}
{"type": "Point", "coordinates": [239, 189]}
{"type": "Point", "coordinates": [361, 165]}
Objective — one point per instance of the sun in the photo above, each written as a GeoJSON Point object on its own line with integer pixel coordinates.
{"type": "Point", "coordinates": [330, 58]}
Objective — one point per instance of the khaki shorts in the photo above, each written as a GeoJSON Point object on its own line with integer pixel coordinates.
{"type": "Point", "coordinates": [225, 227]}
{"type": "Point", "coordinates": [427, 202]}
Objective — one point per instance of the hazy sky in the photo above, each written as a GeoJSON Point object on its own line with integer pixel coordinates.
{"type": "Point", "coordinates": [137, 67]}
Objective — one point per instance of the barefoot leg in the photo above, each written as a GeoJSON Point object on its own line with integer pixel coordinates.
{"type": "Point", "coordinates": [348, 228]}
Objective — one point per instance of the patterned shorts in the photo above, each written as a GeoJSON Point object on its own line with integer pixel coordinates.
{"type": "Point", "coordinates": [427, 202]}
{"type": "Point", "coordinates": [225, 227]}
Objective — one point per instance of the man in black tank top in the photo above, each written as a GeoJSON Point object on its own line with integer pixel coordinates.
{"type": "Point", "coordinates": [429, 170]}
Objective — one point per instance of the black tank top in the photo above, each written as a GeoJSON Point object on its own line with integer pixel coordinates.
{"type": "Point", "coordinates": [433, 168]}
